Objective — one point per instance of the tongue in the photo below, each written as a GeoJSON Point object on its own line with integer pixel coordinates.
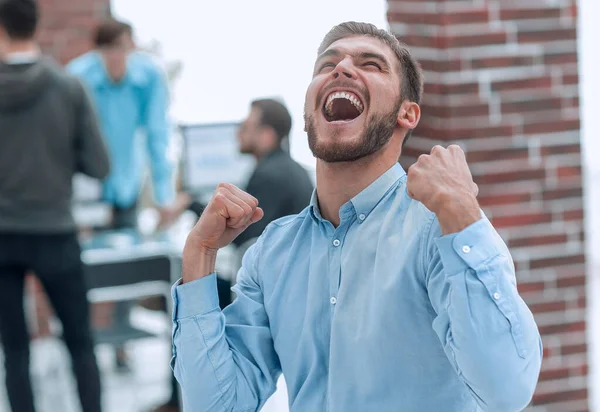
{"type": "Point", "coordinates": [343, 109]}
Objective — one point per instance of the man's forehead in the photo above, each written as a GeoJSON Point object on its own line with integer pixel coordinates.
{"type": "Point", "coordinates": [255, 114]}
{"type": "Point", "coordinates": [359, 44]}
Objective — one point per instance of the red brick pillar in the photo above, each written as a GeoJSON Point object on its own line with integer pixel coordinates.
{"type": "Point", "coordinates": [66, 26]}
{"type": "Point", "coordinates": [502, 81]}
{"type": "Point", "coordinates": [64, 33]}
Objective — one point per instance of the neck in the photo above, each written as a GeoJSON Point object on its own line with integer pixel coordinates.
{"type": "Point", "coordinates": [262, 153]}
{"type": "Point", "coordinates": [22, 46]}
{"type": "Point", "coordinates": [338, 183]}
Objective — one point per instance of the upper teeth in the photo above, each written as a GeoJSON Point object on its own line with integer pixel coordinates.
{"type": "Point", "coordinates": [343, 95]}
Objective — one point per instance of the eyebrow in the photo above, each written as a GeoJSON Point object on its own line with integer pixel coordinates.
{"type": "Point", "coordinates": [362, 56]}
{"type": "Point", "coordinates": [328, 53]}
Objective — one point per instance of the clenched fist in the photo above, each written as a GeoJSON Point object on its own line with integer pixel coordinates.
{"type": "Point", "coordinates": [228, 214]}
{"type": "Point", "coordinates": [442, 181]}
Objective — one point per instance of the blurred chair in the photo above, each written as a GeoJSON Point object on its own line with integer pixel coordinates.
{"type": "Point", "coordinates": [126, 266]}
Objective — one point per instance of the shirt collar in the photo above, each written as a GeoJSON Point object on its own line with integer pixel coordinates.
{"type": "Point", "coordinates": [314, 206]}
{"type": "Point", "coordinates": [364, 203]}
{"type": "Point", "coordinates": [273, 153]}
{"type": "Point", "coordinates": [26, 57]}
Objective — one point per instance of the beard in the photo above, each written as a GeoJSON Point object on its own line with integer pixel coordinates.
{"type": "Point", "coordinates": [377, 133]}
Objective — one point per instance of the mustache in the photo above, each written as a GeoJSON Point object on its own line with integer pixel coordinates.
{"type": "Point", "coordinates": [344, 84]}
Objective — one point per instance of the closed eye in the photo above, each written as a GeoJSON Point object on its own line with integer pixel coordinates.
{"type": "Point", "coordinates": [375, 64]}
{"type": "Point", "coordinates": [326, 65]}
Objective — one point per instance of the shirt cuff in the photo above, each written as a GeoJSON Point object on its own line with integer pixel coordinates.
{"type": "Point", "coordinates": [470, 248]}
{"type": "Point", "coordinates": [195, 298]}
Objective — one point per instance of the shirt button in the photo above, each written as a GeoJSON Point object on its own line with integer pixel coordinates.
{"type": "Point", "coordinates": [362, 216]}
{"type": "Point", "coordinates": [336, 242]}
{"type": "Point", "coordinates": [466, 249]}
{"type": "Point", "coordinates": [333, 300]}
{"type": "Point", "coordinates": [496, 296]}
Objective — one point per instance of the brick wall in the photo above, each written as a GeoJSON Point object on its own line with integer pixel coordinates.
{"type": "Point", "coordinates": [66, 26]}
{"type": "Point", "coordinates": [64, 33]}
{"type": "Point", "coordinates": [502, 81]}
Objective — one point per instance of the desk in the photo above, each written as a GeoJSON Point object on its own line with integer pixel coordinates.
{"type": "Point", "coordinates": [119, 259]}
{"type": "Point", "coordinates": [124, 266]}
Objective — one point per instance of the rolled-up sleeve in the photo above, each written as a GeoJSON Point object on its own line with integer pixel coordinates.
{"type": "Point", "coordinates": [223, 361]}
{"type": "Point", "coordinates": [488, 332]}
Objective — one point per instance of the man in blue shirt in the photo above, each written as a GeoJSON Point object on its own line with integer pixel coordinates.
{"type": "Point", "coordinates": [131, 95]}
{"type": "Point", "coordinates": [391, 291]}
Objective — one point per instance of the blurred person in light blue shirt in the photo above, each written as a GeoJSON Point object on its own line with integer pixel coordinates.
{"type": "Point", "coordinates": [131, 95]}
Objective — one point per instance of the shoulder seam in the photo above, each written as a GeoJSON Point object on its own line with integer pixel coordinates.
{"type": "Point", "coordinates": [286, 222]}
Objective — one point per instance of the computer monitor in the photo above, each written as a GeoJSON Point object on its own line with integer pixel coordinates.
{"type": "Point", "coordinates": [211, 156]}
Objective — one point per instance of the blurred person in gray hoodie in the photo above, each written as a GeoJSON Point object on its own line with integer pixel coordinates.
{"type": "Point", "coordinates": [48, 132]}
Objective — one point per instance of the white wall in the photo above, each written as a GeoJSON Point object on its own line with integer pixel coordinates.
{"type": "Point", "coordinates": [237, 50]}
{"type": "Point", "coordinates": [589, 60]}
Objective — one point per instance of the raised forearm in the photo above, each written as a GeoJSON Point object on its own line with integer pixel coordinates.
{"type": "Point", "coordinates": [198, 262]}
{"type": "Point", "coordinates": [457, 212]}
{"type": "Point", "coordinates": [495, 343]}
{"type": "Point", "coordinates": [487, 330]}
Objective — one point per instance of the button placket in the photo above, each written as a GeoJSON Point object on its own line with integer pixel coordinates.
{"type": "Point", "coordinates": [335, 263]}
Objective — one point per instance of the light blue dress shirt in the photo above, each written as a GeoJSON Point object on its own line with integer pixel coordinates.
{"type": "Point", "coordinates": [138, 103]}
{"type": "Point", "coordinates": [382, 313]}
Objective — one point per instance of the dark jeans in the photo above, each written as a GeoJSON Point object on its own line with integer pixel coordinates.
{"type": "Point", "coordinates": [56, 261]}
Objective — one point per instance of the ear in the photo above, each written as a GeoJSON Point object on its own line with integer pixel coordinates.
{"type": "Point", "coordinates": [268, 136]}
{"type": "Point", "coordinates": [3, 37]}
{"type": "Point", "coordinates": [409, 115]}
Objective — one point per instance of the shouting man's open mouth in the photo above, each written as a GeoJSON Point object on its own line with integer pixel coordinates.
{"type": "Point", "coordinates": [342, 106]}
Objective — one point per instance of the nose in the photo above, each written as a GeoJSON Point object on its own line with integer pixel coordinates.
{"type": "Point", "coordinates": [345, 68]}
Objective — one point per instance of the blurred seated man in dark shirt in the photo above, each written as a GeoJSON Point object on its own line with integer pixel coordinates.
{"type": "Point", "coordinates": [281, 185]}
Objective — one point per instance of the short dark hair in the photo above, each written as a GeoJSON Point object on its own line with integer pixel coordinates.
{"type": "Point", "coordinates": [19, 18]}
{"type": "Point", "coordinates": [275, 115]}
{"type": "Point", "coordinates": [109, 31]}
{"type": "Point", "coordinates": [411, 75]}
